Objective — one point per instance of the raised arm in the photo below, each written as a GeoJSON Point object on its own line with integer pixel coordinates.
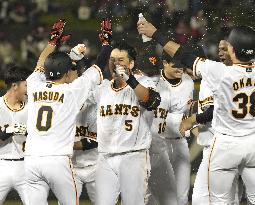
{"type": "Point", "coordinates": [172, 48]}
{"type": "Point", "coordinates": [56, 38]}
{"type": "Point", "coordinates": [105, 37]}
{"type": "Point", "coordinates": [148, 98]}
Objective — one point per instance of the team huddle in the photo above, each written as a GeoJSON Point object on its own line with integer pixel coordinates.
{"type": "Point", "coordinates": [64, 127]}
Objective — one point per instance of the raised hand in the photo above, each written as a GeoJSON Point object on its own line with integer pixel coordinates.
{"type": "Point", "coordinates": [146, 28]}
{"type": "Point", "coordinates": [77, 52]}
{"type": "Point", "coordinates": [56, 35]}
{"type": "Point", "coordinates": [123, 71]}
{"type": "Point", "coordinates": [106, 31]}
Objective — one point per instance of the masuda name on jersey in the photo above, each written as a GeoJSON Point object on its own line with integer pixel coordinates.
{"type": "Point", "coordinates": [48, 96]}
{"type": "Point", "coordinates": [243, 82]}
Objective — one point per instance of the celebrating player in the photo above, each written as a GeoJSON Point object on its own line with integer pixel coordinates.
{"type": "Point", "coordinates": [86, 154]}
{"type": "Point", "coordinates": [13, 112]}
{"type": "Point", "coordinates": [123, 131]}
{"type": "Point", "coordinates": [232, 151]}
{"type": "Point", "coordinates": [162, 174]}
{"type": "Point", "coordinates": [181, 86]}
{"type": "Point", "coordinates": [53, 105]}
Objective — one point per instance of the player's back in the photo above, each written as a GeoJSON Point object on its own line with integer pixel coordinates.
{"type": "Point", "coordinates": [53, 109]}
{"type": "Point", "coordinates": [234, 96]}
{"type": "Point", "coordinates": [235, 102]}
{"type": "Point", "coordinates": [51, 118]}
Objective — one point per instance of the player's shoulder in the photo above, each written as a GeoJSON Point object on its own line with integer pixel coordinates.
{"type": "Point", "coordinates": [211, 64]}
{"type": "Point", "coordinates": [186, 78]}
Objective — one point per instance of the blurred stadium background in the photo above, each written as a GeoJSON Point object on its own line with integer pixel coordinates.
{"type": "Point", "coordinates": [25, 24]}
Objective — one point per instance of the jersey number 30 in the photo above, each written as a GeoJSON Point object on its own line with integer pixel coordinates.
{"type": "Point", "coordinates": [246, 106]}
{"type": "Point", "coordinates": [44, 118]}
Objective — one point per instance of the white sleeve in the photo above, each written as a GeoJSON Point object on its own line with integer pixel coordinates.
{"type": "Point", "coordinates": [210, 71]}
{"type": "Point", "coordinates": [36, 77]}
{"type": "Point", "coordinates": [83, 85]}
{"type": "Point", "coordinates": [146, 82]}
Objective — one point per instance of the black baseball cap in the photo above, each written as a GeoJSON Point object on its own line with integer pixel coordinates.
{"type": "Point", "coordinates": [150, 63]}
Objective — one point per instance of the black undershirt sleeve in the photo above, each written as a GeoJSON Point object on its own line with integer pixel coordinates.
{"type": "Point", "coordinates": [4, 136]}
{"type": "Point", "coordinates": [206, 116]}
{"type": "Point", "coordinates": [88, 144]}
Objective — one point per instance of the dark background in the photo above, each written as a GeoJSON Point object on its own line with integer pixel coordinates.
{"type": "Point", "coordinates": [25, 24]}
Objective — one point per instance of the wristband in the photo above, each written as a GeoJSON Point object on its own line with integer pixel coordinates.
{"type": "Point", "coordinates": [132, 82]}
{"type": "Point", "coordinates": [160, 38]}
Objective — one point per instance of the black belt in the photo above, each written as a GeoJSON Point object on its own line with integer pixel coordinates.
{"type": "Point", "coordinates": [21, 159]}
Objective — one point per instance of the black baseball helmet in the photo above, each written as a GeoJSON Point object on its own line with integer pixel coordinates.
{"type": "Point", "coordinates": [242, 38]}
{"type": "Point", "coordinates": [57, 64]}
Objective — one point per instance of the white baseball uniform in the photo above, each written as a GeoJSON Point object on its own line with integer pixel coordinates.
{"type": "Point", "coordinates": [232, 150]}
{"type": "Point", "coordinates": [123, 141]}
{"type": "Point", "coordinates": [200, 195]}
{"type": "Point", "coordinates": [162, 174]}
{"type": "Point", "coordinates": [178, 146]}
{"type": "Point", "coordinates": [11, 155]}
{"type": "Point", "coordinates": [53, 109]}
{"type": "Point", "coordinates": [85, 161]}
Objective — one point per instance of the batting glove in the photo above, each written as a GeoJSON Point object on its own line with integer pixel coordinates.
{"type": "Point", "coordinates": [56, 35]}
{"type": "Point", "coordinates": [77, 52]}
{"type": "Point", "coordinates": [106, 32]}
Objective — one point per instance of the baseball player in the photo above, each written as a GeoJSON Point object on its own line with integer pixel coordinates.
{"type": "Point", "coordinates": [232, 151]}
{"type": "Point", "coordinates": [123, 130]}
{"type": "Point", "coordinates": [162, 174]}
{"type": "Point", "coordinates": [13, 117]}
{"type": "Point", "coordinates": [53, 104]}
{"type": "Point", "coordinates": [181, 86]}
{"type": "Point", "coordinates": [200, 193]}
{"type": "Point", "coordinates": [85, 154]}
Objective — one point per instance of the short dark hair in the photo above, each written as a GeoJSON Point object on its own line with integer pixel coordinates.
{"type": "Point", "coordinates": [15, 74]}
{"type": "Point", "coordinates": [122, 45]}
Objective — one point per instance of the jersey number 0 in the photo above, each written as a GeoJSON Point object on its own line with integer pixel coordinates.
{"type": "Point", "coordinates": [44, 118]}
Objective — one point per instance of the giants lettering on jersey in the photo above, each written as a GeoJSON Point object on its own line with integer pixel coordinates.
{"type": "Point", "coordinates": [82, 131]}
{"type": "Point", "coordinates": [48, 96]}
{"type": "Point", "coordinates": [119, 109]}
{"type": "Point", "coordinates": [161, 113]}
{"type": "Point", "coordinates": [243, 82]}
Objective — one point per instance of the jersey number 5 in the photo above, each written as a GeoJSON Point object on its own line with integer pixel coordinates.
{"type": "Point", "coordinates": [44, 118]}
{"type": "Point", "coordinates": [243, 105]}
{"type": "Point", "coordinates": [128, 125]}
